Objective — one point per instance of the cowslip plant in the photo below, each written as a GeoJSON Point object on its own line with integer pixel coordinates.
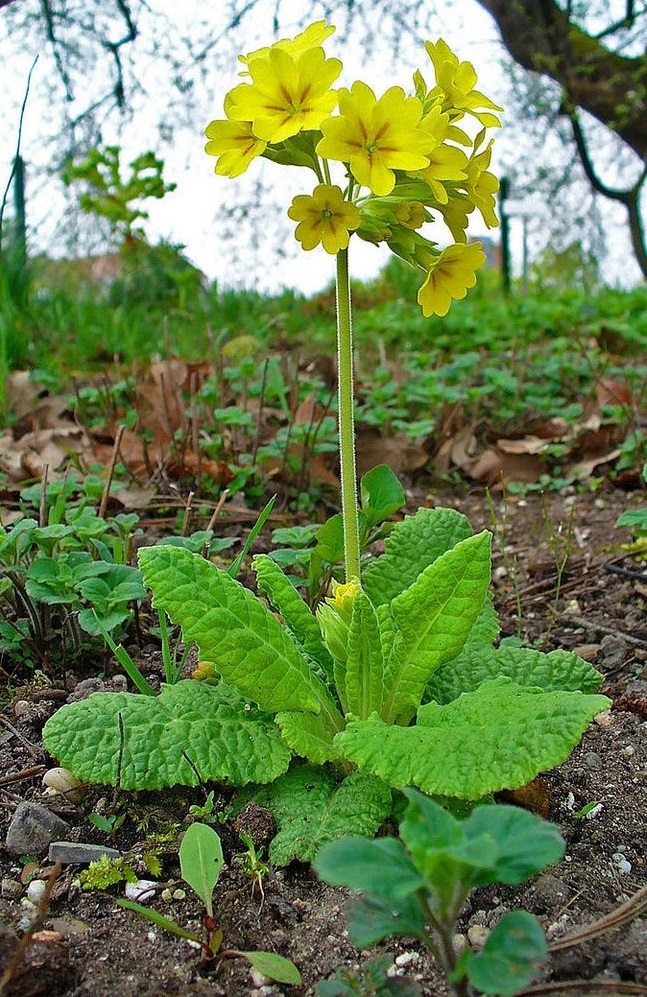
{"type": "Point", "coordinates": [418, 885]}
{"type": "Point", "coordinates": [396, 680]}
{"type": "Point", "coordinates": [201, 861]}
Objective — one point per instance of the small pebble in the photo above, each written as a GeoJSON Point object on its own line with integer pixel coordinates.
{"type": "Point", "coordinates": [141, 891]}
{"type": "Point", "coordinates": [592, 760]}
{"type": "Point", "coordinates": [36, 891]}
{"type": "Point", "coordinates": [259, 979]}
{"type": "Point", "coordinates": [477, 935]}
{"type": "Point", "coordinates": [10, 888]}
{"type": "Point", "coordinates": [62, 782]}
{"type": "Point", "coordinates": [460, 943]}
{"type": "Point", "coordinates": [621, 863]}
{"type": "Point", "coordinates": [406, 958]}
{"type": "Point", "coordinates": [21, 707]}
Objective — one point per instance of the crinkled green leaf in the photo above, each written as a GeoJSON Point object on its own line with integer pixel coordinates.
{"type": "Point", "coordinates": [364, 670]}
{"type": "Point", "coordinates": [310, 809]}
{"type": "Point", "coordinates": [298, 618]}
{"type": "Point", "coordinates": [512, 955]}
{"type": "Point", "coordinates": [498, 737]}
{"type": "Point", "coordinates": [411, 547]}
{"type": "Point", "coordinates": [233, 629]}
{"type": "Point", "coordinates": [433, 618]}
{"type": "Point", "coordinates": [311, 735]}
{"type": "Point", "coordinates": [477, 664]}
{"type": "Point", "coordinates": [191, 733]}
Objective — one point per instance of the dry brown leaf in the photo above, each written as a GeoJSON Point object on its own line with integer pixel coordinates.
{"type": "Point", "coordinates": [397, 452]}
{"type": "Point", "coordinates": [611, 392]}
{"type": "Point", "coordinates": [494, 465]}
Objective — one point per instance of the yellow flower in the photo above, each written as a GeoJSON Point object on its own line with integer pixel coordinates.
{"type": "Point", "coordinates": [455, 214]}
{"type": "Point", "coordinates": [325, 217]}
{"type": "Point", "coordinates": [445, 163]}
{"type": "Point", "coordinates": [411, 214]}
{"type": "Point", "coordinates": [313, 36]}
{"type": "Point", "coordinates": [449, 277]}
{"type": "Point", "coordinates": [482, 186]}
{"type": "Point", "coordinates": [234, 144]}
{"type": "Point", "coordinates": [288, 94]}
{"type": "Point", "coordinates": [455, 82]}
{"type": "Point", "coordinates": [376, 137]}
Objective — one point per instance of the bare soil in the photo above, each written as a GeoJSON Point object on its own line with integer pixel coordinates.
{"type": "Point", "coordinates": [90, 947]}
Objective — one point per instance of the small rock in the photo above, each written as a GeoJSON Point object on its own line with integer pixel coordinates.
{"type": "Point", "coordinates": [79, 853]}
{"type": "Point", "coordinates": [259, 979]}
{"type": "Point", "coordinates": [459, 941]}
{"type": "Point", "coordinates": [21, 707]}
{"type": "Point", "coordinates": [613, 651]}
{"type": "Point", "coordinates": [406, 958]}
{"type": "Point", "coordinates": [589, 652]}
{"type": "Point", "coordinates": [477, 935]}
{"type": "Point", "coordinates": [32, 828]}
{"type": "Point", "coordinates": [621, 863]}
{"type": "Point", "coordinates": [62, 782]}
{"type": "Point", "coordinates": [141, 891]}
{"type": "Point", "coordinates": [36, 891]}
{"type": "Point", "coordinates": [592, 760]}
{"type": "Point", "coordinates": [10, 888]}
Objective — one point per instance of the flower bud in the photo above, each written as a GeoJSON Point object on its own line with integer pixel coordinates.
{"type": "Point", "coordinates": [334, 617]}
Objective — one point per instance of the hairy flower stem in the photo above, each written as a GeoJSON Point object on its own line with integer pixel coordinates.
{"type": "Point", "coordinates": [346, 420]}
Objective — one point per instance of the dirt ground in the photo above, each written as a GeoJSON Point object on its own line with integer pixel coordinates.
{"type": "Point", "coordinates": [90, 947]}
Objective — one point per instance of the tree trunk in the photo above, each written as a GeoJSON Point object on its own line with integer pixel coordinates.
{"type": "Point", "coordinates": [611, 87]}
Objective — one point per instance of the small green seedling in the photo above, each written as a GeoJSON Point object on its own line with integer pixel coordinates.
{"type": "Point", "coordinates": [201, 861]}
{"type": "Point", "coordinates": [109, 824]}
{"type": "Point", "coordinates": [253, 865]}
{"type": "Point", "coordinates": [418, 885]}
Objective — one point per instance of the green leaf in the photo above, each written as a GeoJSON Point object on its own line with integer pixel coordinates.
{"type": "Point", "coordinates": [233, 629]}
{"type": "Point", "coordinates": [379, 868]}
{"type": "Point", "coordinates": [477, 664]}
{"type": "Point", "coordinates": [433, 618]}
{"type": "Point", "coordinates": [364, 668]}
{"type": "Point", "coordinates": [276, 967]}
{"type": "Point", "coordinates": [525, 844]}
{"type": "Point", "coordinates": [381, 494]}
{"type": "Point", "coordinates": [201, 860]}
{"type": "Point", "coordinates": [512, 955]}
{"type": "Point", "coordinates": [190, 734]}
{"type": "Point", "coordinates": [297, 617]}
{"type": "Point", "coordinates": [413, 545]}
{"type": "Point", "coordinates": [158, 919]}
{"type": "Point", "coordinates": [310, 810]}
{"type": "Point", "coordinates": [330, 540]}
{"type": "Point", "coordinates": [311, 735]}
{"type": "Point", "coordinates": [498, 737]}
{"type": "Point", "coordinates": [234, 567]}
{"type": "Point", "coordinates": [369, 920]}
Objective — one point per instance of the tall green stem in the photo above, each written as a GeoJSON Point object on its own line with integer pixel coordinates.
{"type": "Point", "coordinates": [346, 420]}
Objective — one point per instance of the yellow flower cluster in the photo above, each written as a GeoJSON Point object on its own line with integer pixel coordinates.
{"type": "Point", "coordinates": [406, 160]}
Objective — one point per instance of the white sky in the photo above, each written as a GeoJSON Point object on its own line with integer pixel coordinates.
{"type": "Point", "coordinates": [188, 215]}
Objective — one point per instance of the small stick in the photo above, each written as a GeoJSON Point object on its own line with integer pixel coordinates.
{"type": "Point", "coordinates": [111, 470]}
{"type": "Point", "coordinates": [33, 751]}
{"type": "Point", "coordinates": [633, 907]}
{"type": "Point", "coordinates": [187, 514]}
{"type": "Point", "coordinates": [216, 512]}
{"type": "Point", "coordinates": [30, 773]}
{"type": "Point", "coordinates": [42, 507]}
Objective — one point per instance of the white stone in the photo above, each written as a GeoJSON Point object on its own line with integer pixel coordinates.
{"type": "Point", "coordinates": [36, 891]}
{"type": "Point", "coordinates": [141, 891]}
